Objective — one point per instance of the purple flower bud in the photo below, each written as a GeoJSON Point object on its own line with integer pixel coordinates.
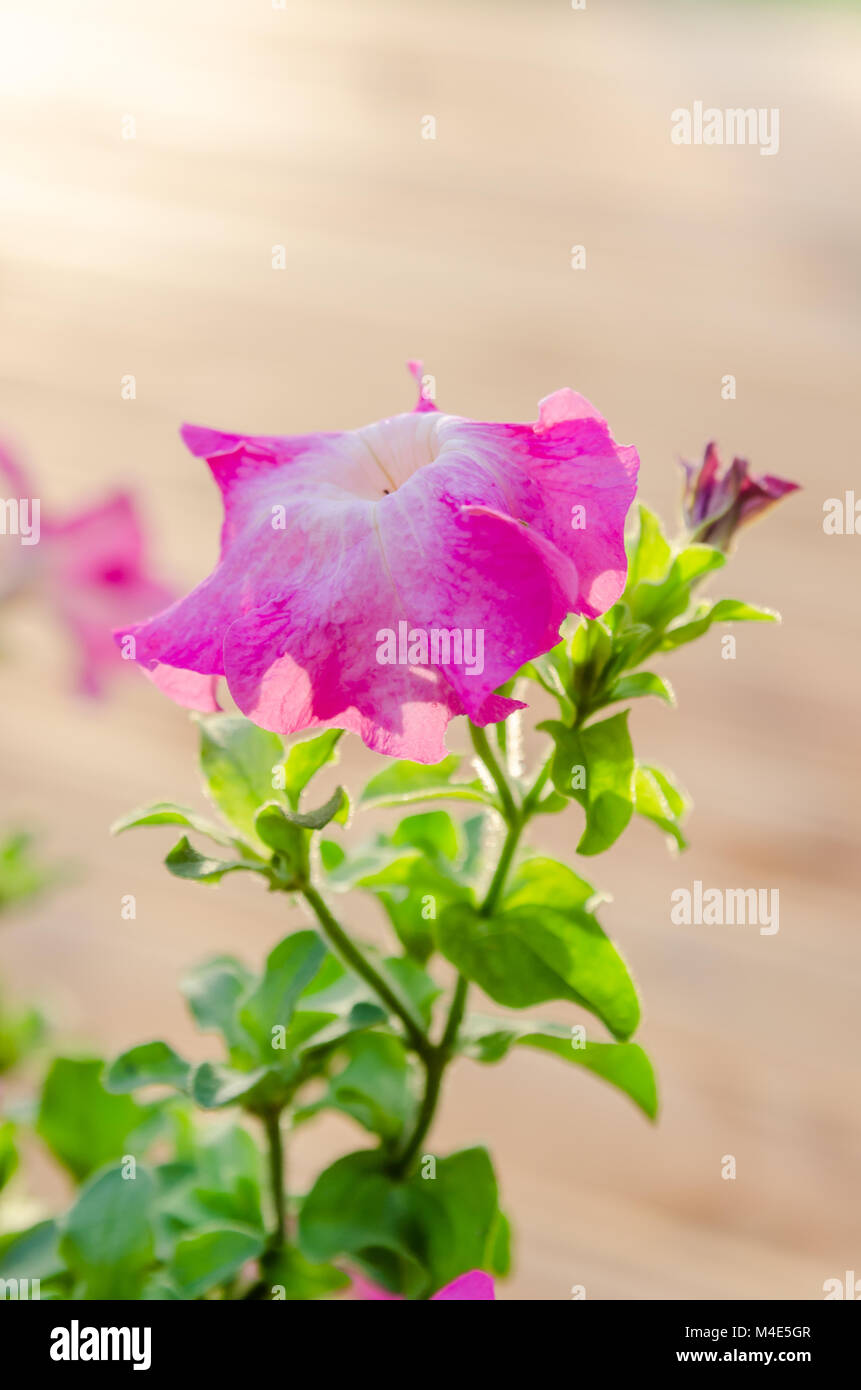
{"type": "Point", "coordinates": [718, 501]}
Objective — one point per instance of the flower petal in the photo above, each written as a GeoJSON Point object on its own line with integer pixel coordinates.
{"type": "Point", "coordinates": [186, 688]}
{"type": "Point", "coordinates": [476, 1286]}
{"type": "Point", "coordinates": [423, 524]}
{"type": "Point", "coordinates": [573, 484]}
{"type": "Point", "coordinates": [95, 567]}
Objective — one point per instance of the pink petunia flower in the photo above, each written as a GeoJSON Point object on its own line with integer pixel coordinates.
{"type": "Point", "coordinates": [386, 579]}
{"type": "Point", "coordinates": [96, 573]}
{"type": "Point", "coordinates": [92, 568]}
{"type": "Point", "coordinates": [718, 501]}
{"type": "Point", "coordinates": [474, 1287]}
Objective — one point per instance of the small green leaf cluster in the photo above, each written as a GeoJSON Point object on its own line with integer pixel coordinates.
{"type": "Point", "coordinates": [599, 665]}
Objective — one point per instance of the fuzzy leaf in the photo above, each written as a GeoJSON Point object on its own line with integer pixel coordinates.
{"type": "Point", "coordinates": [595, 766]}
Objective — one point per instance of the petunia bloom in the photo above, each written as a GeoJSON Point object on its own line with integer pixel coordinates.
{"type": "Point", "coordinates": [388, 578]}
{"type": "Point", "coordinates": [474, 1287]}
{"type": "Point", "coordinates": [92, 568]}
{"type": "Point", "coordinates": [718, 501]}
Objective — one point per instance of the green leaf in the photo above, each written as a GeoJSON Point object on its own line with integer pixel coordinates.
{"type": "Point", "coordinates": [733, 610]}
{"type": "Point", "coordinates": [158, 1288]}
{"type": "Point", "coordinates": [696, 561]}
{"type": "Point", "coordinates": [168, 813]}
{"type": "Point", "coordinates": [531, 953]}
{"type": "Point", "coordinates": [288, 841]}
{"type": "Point", "coordinates": [355, 1206]}
{"type": "Point", "coordinates": [271, 816]}
{"type": "Point", "coordinates": [542, 881]}
{"type": "Point", "coordinates": [20, 1034]}
{"type": "Point", "coordinates": [331, 855]}
{"type": "Point", "coordinates": [228, 1179]}
{"type": "Point", "coordinates": [499, 1247]}
{"type": "Point", "coordinates": [304, 761]}
{"type": "Point", "coordinates": [213, 1086]}
{"type": "Point", "coordinates": [602, 757]}
{"type": "Point", "coordinates": [407, 911]}
{"type": "Point", "coordinates": [726, 610]}
{"type": "Point", "coordinates": [370, 863]}
{"type": "Point", "coordinates": [293, 1277]}
{"type": "Point", "coordinates": [589, 653]}
{"type": "Point", "coordinates": [413, 1236]}
{"type": "Point", "coordinates": [237, 760]}
{"type": "Point", "coordinates": [411, 885]}
{"type": "Point", "coordinates": [414, 982]}
{"type": "Point", "coordinates": [457, 1214]}
{"type": "Point", "coordinates": [552, 672]}
{"type": "Point", "coordinates": [404, 782]}
{"type": "Point", "coordinates": [149, 1064]}
{"type": "Point", "coordinates": [315, 1043]}
{"type": "Point", "coordinates": [658, 800]}
{"type": "Point", "coordinates": [31, 1254]}
{"type": "Point", "coordinates": [624, 1064]}
{"type": "Point", "coordinates": [657, 604]}
{"type": "Point", "coordinates": [641, 683]}
{"type": "Point", "coordinates": [21, 876]}
{"type": "Point", "coordinates": [207, 1258]}
{"type": "Point", "coordinates": [432, 832]}
{"type": "Point", "coordinates": [107, 1236]}
{"type": "Point", "coordinates": [651, 554]}
{"type": "Point", "coordinates": [8, 1152]}
{"type": "Point", "coordinates": [213, 991]}
{"type": "Point", "coordinates": [184, 861]}
{"type": "Point", "coordinates": [375, 1086]}
{"type": "Point", "coordinates": [84, 1125]}
{"type": "Point", "coordinates": [289, 969]}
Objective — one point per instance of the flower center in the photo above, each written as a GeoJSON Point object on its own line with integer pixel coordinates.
{"type": "Point", "coordinates": [389, 452]}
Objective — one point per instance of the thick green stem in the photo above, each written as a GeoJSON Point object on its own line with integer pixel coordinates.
{"type": "Point", "coordinates": [350, 953]}
{"type": "Point", "coordinates": [272, 1126]}
{"type": "Point", "coordinates": [435, 1069]}
{"type": "Point", "coordinates": [455, 1015]}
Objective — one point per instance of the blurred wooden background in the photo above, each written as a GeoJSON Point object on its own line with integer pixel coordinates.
{"type": "Point", "coordinates": [258, 126]}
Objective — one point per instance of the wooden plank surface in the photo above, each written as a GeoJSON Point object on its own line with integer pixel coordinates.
{"type": "Point", "coordinates": [257, 127]}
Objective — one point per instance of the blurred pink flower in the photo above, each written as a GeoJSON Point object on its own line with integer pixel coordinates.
{"type": "Point", "coordinates": [717, 502]}
{"type": "Point", "coordinates": [342, 554]}
{"type": "Point", "coordinates": [92, 567]}
{"type": "Point", "coordinates": [95, 570]}
{"type": "Point", "coordinates": [474, 1287]}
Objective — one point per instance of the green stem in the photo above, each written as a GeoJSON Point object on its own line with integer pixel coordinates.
{"type": "Point", "coordinates": [435, 1066]}
{"type": "Point", "coordinates": [272, 1126]}
{"type": "Point", "coordinates": [482, 747]}
{"type": "Point", "coordinates": [500, 873]}
{"type": "Point", "coordinates": [531, 799]}
{"type": "Point", "coordinates": [434, 1072]}
{"type": "Point", "coordinates": [436, 1063]}
{"type": "Point", "coordinates": [350, 953]}
{"type": "Point", "coordinates": [435, 1057]}
{"type": "Point", "coordinates": [455, 1015]}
